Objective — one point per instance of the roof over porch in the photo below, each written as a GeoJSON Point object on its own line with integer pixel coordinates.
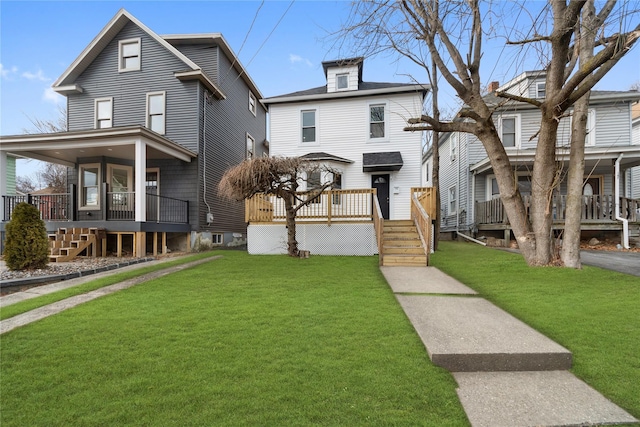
{"type": "Point", "coordinates": [66, 147]}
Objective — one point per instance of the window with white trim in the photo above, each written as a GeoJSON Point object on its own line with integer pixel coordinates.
{"type": "Point", "coordinates": [453, 200]}
{"type": "Point", "coordinates": [453, 146]}
{"type": "Point", "coordinates": [89, 186]}
{"type": "Point", "coordinates": [377, 123]}
{"type": "Point", "coordinates": [337, 185]}
{"type": "Point", "coordinates": [129, 55]}
{"type": "Point", "coordinates": [251, 147]}
{"type": "Point", "coordinates": [342, 81]}
{"type": "Point", "coordinates": [103, 113]}
{"type": "Point", "coordinates": [509, 134]}
{"type": "Point", "coordinates": [314, 183]}
{"type": "Point", "coordinates": [156, 106]}
{"type": "Point", "coordinates": [541, 90]}
{"type": "Point", "coordinates": [252, 103]}
{"type": "Point", "coordinates": [308, 125]}
{"type": "Point", "coordinates": [590, 139]}
{"type": "Point", "coordinates": [524, 185]}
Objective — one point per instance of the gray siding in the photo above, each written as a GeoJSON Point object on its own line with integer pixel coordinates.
{"type": "Point", "coordinates": [206, 56]}
{"type": "Point", "coordinates": [227, 123]}
{"type": "Point", "coordinates": [128, 89]}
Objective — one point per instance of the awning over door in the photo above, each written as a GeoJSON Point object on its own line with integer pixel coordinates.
{"type": "Point", "coordinates": [379, 162]}
{"type": "Point", "coordinates": [325, 157]}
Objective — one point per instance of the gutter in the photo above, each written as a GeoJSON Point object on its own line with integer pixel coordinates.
{"type": "Point", "coordinates": [625, 222]}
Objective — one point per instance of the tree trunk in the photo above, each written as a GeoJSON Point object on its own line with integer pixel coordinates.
{"type": "Point", "coordinates": [292, 243]}
{"type": "Point", "coordinates": [571, 241]}
{"type": "Point", "coordinates": [435, 167]}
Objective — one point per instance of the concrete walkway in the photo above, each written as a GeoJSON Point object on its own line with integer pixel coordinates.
{"type": "Point", "coordinates": [508, 374]}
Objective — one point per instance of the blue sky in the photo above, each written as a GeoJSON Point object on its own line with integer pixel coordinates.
{"type": "Point", "coordinates": [40, 39]}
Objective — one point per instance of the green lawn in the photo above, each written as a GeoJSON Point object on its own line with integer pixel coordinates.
{"type": "Point", "coordinates": [595, 313]}
{"type": "Point", "coordinates": [242, 340]}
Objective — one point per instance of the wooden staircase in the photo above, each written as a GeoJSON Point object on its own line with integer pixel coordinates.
{"type": "Point", "coordinates": [68, 243]}
{"type": "Point", "coordinates": [401, 244]}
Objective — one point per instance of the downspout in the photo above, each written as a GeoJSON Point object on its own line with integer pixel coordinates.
{"type": "Point", "coordinates": [458, 189]}
{"type": "Point", "coordinates": [625, 222]}
{"type": "Point", "coordinates": [204, 156]}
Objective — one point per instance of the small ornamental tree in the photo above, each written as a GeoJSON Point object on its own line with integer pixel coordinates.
{"type": "Point", "coordinates": [26, 239]}
{"type": "Point", "coordinates": [281, 177]}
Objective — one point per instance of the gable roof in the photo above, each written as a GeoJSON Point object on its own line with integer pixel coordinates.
{"type": "Point", "coordinates": [66, 82]}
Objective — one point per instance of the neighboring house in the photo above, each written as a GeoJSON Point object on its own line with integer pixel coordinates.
{"type": "Point", "coordinates": [153, 123]}
{"type": "Point", "coordinates": [469, 193]}
{"type": "Point", "coordinates": [356, 127]}
{"type": "Point", "coordinates": [633, 174]}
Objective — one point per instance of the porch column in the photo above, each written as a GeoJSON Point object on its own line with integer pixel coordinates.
{"type": "Point", "coordinates": [3, 180]}
{"type": "Point", "coordinates": [140, 168]}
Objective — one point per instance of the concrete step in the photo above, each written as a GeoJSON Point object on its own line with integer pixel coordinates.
{"type": "Point", "coordinates": [547, 398]}
{"type": "Point", "coordinates": [473, 335]}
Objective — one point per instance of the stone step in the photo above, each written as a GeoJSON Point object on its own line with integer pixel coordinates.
{"type": "Point", "coordinates": [473, 335]}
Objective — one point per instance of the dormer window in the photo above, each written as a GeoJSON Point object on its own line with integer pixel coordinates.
{"type": "Point", "coordinates": [541, 90]}
{"type": "Point", "coordinates": [342, 81]}
{"type": "Point", "coordinates": [129, 55]}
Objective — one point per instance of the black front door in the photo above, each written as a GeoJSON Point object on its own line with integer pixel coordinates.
{"type": "Point", "coordinates": [381, 184]}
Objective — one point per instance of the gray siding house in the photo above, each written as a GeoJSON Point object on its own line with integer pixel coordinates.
{"type": "Point", "coordinates": [153, 123]}
{"type": "Point", "coordinates": [469, 193]}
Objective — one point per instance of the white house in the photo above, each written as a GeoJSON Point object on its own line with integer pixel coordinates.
{"type": "Point", "coordinates": [468, 188]}
{"type": "Point", "coordinates": [357, 128]}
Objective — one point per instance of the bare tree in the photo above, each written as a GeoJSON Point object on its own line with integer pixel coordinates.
{"type": "Point", "coordinates": [58, 124]}
{"type": "Point", "coordinates": [25, 184]}
{"type": "Point", "coordinates": [451, 34]}
{"type": "Point", "coordinates": [281, 177]}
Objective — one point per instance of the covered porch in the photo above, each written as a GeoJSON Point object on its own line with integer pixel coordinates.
{"type": "Point", "coordinates": [113, 181]}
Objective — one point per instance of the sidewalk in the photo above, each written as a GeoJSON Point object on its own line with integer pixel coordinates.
{"type": "Point", "coordinates": [508, 374]}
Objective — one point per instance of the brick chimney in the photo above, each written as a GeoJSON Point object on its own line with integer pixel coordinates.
{"type": "Point", "coordinates": [493, 86]}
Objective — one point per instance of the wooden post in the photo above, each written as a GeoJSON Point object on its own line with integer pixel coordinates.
{"type": "Point", "coordinates": [164, 242]}
{"type": "Point", "coordinates": [119, 245]}
{"type": "Point", "coordinates": [155, 243]}
{"type": "Point", "coordinates": [188, 242]}
{"type": "Point", "coordinates": [140, 240]}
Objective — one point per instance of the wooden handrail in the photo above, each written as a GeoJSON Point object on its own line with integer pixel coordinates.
{"type": "Point", "coordinates": [378, 225]}
{"type": "Point", "coordinates": [423, 224]}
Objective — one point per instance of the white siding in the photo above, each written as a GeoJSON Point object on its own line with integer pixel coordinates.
{"type": "Point", "coordinates": [342, 129]}
{"type": "Point", "coordinates": [334, 71]}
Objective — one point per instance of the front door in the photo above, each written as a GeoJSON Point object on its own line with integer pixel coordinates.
{"type": "Point", "coordinates": [381, 184]}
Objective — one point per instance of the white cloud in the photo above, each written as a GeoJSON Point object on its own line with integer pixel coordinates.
{"type": "Point", "coordinates": [7, 72]}
{"type": "Point", "coordinates": [293, 58]}
{"type": "Point", "coordinates": [39, 75]}
{"type": "Point", "coordinates": [51, 96]}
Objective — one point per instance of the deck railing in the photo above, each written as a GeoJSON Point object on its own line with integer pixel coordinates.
{"type": "Point", "coordinates": [378, 226]}
{"type": "Point", "coordinates": [52, 207]}
{"type": "Point", "coordinates": [167, 209]}
{"type": "Point", "coordinates": [331, 205]}
{"type": "Point", "coordinates": [595, 208]}
{"type": "Point", "coordinates": [422, 221]}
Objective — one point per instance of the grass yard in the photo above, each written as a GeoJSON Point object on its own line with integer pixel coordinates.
{"type": "Point", "coordinates": [595, 313]}
{"type": "Point", "coordinates": [242, 340]}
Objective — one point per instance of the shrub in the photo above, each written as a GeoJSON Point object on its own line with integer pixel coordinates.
{"type": "Point", "coordinates": [27, 247]}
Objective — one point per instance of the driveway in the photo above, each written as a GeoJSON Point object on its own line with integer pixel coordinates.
{"type": "Point", "coordinates": [624, 262]}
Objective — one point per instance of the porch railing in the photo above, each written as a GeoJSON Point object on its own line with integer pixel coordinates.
{"type": "Point", "coordinates": [354, 204]}
{"type": "Point", "coordinates": [52, 207]}
{"type": "Point", "coordinates": [120, 207]}
{"type": "Point", "coordinates": [595, 208]}
{"type": "Point", "coordinates": [422, 221]}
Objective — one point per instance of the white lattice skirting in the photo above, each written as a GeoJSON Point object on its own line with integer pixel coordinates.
{"type": "Point", "coordinates": [318, 239]}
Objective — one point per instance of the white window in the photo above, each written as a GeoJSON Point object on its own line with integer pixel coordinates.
{"type": "Point", "coordinates": [251, 147]}
{"type": "Point", "coordinates": [314, 182]}
{"type": "Point", "coordinates": [541, 90]}
{"type": "Point", "coordinates": [217, 238]}
{"type": "Point", "coordinates": [590, 140]}
{"type": "Point", "coordinates": [524, 185]}
{"type": "Point", "coordinates": [156, 112]}
{"type": "Point", "coordinates": [309, 126]}
{"type": "Point", "coordinates": [120, 178]}
{"type": "Point", "coordinates": [453, 201]}
{"type": "Point", "coordinates": [342, 81]}
{"type": "Point", "coordinates": [103, 113]}
{"type": "Point", "coordinates": [509, 132]}
{"type": "Point", "coordinates": [129, 55]}
{"type": "Point", "coordinates": [90, 186]}
{"type": "Point", "coordinates": [453, 146]}
{"type": "Point", "coordinates": [337, 185]}
{"type": "Point", "coordinates": [376, 121]}
{"type": "Point", "coordinates": [252, 103]}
